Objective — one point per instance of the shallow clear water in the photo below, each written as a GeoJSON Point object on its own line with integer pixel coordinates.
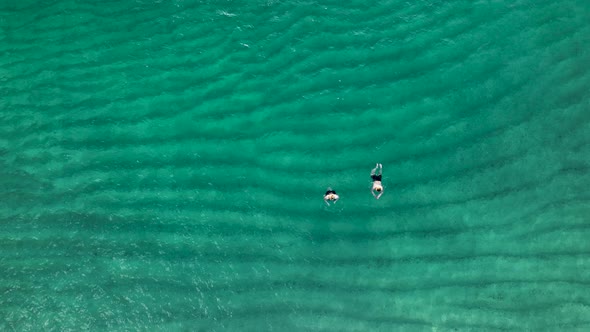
{"type": "Point", "coordinates": [163, 165]}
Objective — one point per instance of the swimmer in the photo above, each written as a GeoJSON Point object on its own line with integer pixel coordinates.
{"type": "Point", "coordinates": [376, 174]}
{"type": "Point", "coordinates": [330, 195]}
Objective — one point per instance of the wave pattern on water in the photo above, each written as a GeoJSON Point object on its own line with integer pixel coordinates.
{"type": "Point", "coordinates": [163, 165]}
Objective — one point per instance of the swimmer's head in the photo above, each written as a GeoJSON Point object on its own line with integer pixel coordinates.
{"type": "Point", "coordinates": [378, 188]}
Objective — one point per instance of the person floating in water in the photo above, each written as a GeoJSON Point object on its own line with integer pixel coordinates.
{"type": "Point", "coordinates": [376, 174]}
{"type": "Point", "coordinates": [330, 196]}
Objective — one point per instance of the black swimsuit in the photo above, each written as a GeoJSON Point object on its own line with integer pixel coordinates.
{"type": "Point", "coordinates": [330, 192]}
{"type": "Point", "coordinates": [376, 177]}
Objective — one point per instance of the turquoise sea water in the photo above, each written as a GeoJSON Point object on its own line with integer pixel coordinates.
{"type": "Point", "coordinates": [162, 165]}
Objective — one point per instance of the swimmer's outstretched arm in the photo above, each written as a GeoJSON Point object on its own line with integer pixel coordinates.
{"type": "Point", "coordinates": [336, 200]}
{"type": "Point", "coordinates": [325, 200]}
{"type": "Point", "coordinates": [376, 196]}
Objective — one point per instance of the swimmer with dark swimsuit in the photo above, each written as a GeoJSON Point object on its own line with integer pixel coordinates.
{"type": "Point", "coordinates": [330, 195]}
{"type": "Point", "coordinates": [376, 174]}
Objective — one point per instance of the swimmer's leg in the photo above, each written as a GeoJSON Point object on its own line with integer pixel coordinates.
{"type": "Point", "coordinates": [374, 170]}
